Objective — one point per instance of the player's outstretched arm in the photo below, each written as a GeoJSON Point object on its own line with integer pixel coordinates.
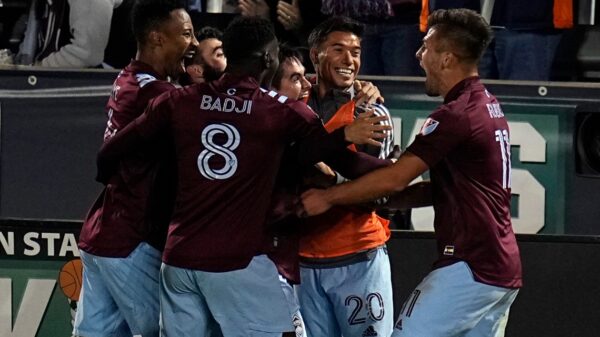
{"type": "Point", "coordinates": [352, 164]}
{"type": "Point", "coordinates": [317, 144]}
{"type": "Point", "coordinates": [413, 196]}
{"type": "Point", "coordinates": [379, 183]}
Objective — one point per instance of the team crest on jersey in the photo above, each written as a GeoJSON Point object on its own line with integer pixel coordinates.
{"type": "Point", "coordinates": [298, 325]}
{"type": "Point", "coordinates": [429, 126]}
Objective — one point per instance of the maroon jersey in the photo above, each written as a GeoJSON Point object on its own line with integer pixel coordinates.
{"type": "Point", "coordinates": [229, 136]}
{"type": "Point", "coordinates": [465, 143]}
{"type": "Point", "coordinates": [135, 203]}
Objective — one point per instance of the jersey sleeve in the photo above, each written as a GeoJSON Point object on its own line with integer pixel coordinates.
{"type": "Point", "coordinates": [156, 117]}
{"type": "Point", "coordinates": [152, 88]}
{"type": "Point", "coordinates": [307, 130]}
{"type": "Point", "coordinates": [440, 134]}
{"type": "Point", "coordinates": [133, 137]}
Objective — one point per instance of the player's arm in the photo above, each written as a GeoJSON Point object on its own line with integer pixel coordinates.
{"type": "Point", "coordinates": [352, 164]}
{"type": "Point", "coordinates": [413, 196]}
{"type": "Point", "coordinates": [315, 143]}
{"type": "Point", "coordinates": [133, 137]}
{"type": "Point", "coordinates": [379, 183]}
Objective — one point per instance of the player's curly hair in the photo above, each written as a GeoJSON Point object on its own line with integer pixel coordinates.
{"type": "Point", "coordinates": [462, 31]}
{"type": "Point", "coordinates": [245, 36]}
{"type": "Point", "coordinates": [334, 24]}
{"type": "Point", "coordinates": [147, 15]}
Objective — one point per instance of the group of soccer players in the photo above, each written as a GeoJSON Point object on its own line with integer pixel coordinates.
{"type": "Point", "coordinates": [202, 227]}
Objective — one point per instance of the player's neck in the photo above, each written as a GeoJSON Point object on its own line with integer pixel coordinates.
{"type": "Point", "coordinates": [453, 78]}
{"type": "Point", "coordinates": [152, 59]}
{"type": "Point", "coordinates": [323, 88]}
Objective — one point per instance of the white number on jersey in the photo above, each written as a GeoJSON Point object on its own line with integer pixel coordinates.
{"type": "Point", "coordinates": [502, 139]}
{"type": "Point", "coordinates": [225, 150]}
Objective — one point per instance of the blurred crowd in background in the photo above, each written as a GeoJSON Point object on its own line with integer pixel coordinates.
{"type": "Point", "coordinates": [534, 40]}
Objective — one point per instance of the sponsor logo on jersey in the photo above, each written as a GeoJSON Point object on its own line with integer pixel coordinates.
{"type": "Point", "coordinates": [449, 250]}
{"type": "Point", "coordinates": [370, 332]}
{"type": "Point", "coordinates": [429, 126]}
{"type": "Point", "coordinates": [398, 324]}
{"type": "Point", "coordinates": [298, 325]}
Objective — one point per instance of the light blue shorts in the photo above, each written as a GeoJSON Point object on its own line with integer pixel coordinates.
{"type": "Point", "coordinates": [449, 302]}
{"type": "Point", "coordinates": [119, 296]}
{"type": "Point", "coordinates": [255, 301]}
{"type": "Point", "coordinates": [354, 300]}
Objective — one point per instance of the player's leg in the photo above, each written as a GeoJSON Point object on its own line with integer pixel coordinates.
{"type": "Point", "coordinates": [184, 312]}
{"type": "Point", "coordinates": [97, 314]}
{"type": "Point", "coordinates": [493, 323]}
{"type": "Point", "coordinates": [255, 301]}
{"type": "Point", "coordinates": [315, 306]}
{"type": "Point", "coordinates": [133, 284]}
{"type": "Point", "coordinates": [362, 295]}
{"type": "Point", "coordinates": [448, 302]}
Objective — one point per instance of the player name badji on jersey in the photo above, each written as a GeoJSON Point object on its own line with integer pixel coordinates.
{"type": "Point", "coordinates": [226, 105]}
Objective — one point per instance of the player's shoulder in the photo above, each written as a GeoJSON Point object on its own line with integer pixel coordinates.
{"type": "Point", "coordinates": [272, 96]}
{"type": "Point", "coordinates": [149, 83]}
{"type": "Point", "coordinates": [288, 105]}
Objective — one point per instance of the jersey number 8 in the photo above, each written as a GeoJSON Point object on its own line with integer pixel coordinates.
{"type": "Point", "coordinates": [225, 150]}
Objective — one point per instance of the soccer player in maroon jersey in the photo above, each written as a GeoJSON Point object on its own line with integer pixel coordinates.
{"type": "Point", "coordinates": [465, 145]}
{"type": "Point", "coordinates": [124, 232]}
{"type": "Point", "coordinates": [229, 136]}
{"type": "Point", "coordinates": [209, 63]}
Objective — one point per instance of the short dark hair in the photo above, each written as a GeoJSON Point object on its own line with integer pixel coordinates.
{"type": "Point", "coordinates": [462, 31]}
{"type": "Point", "coordinates": [147, 15]}
{"type": "Point", "coordinates": [286, 52]}
{"type": "Point", "coordinates": [334, 24]}
{"type": "Point", "coordinates": [209, 32]}
{"type": "Point", "coordinates": [244, 36]}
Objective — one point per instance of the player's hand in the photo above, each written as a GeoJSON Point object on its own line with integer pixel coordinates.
{"type": "Point", "coordinates": [365, 130]}
{"type": "Point", "coordinates": [366, 93]}
{"type": "Point", "coordinates": [322, 176]}
{"type": "Point", "coordinates": [254, 8]}
{"type": "Point", "coordinates": [289, 15]}
{"type": "Point", "coordinates": [314, 202]}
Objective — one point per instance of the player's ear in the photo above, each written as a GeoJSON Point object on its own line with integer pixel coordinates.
{"type": "Point", "coordinates": [155, 38]}
{"type": "Point", "coordinates": [267, 59]}
{"type": "Point", "coordinates": [194, 70]}
{"type": "Point", "coordinates": [448, 59]}
{"type": "Point", "coordinates": [314, 56]}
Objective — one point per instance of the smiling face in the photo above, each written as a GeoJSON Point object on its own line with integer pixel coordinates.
{"type": "Point", "coordinates": [178, 42]}
{"type": "Point", "coordinates": [293, 84]}
{"type": "Point", "coordinates": [337, 60]}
